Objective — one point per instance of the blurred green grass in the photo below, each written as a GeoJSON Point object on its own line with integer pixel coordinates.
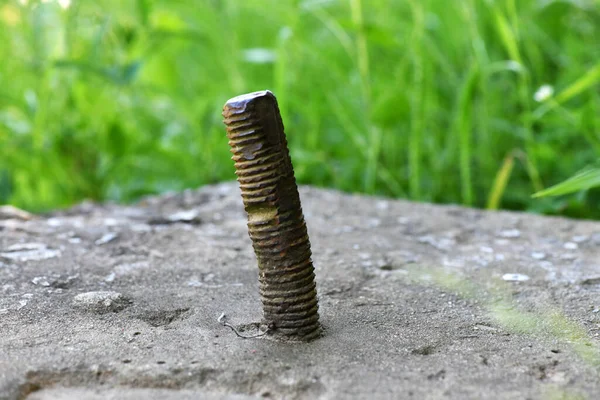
{"type": "Point", "coordinates": [478, 102]}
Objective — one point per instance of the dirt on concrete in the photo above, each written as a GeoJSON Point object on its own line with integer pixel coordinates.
{"type": "Point", "coordinates": [416, 300]}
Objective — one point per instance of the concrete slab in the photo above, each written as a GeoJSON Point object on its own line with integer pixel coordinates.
{"type": "Point", "coordinates": [417, 301]}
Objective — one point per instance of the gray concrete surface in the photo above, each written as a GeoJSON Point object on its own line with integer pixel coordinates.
{"type": "Point", "coordinates": [417, 301]}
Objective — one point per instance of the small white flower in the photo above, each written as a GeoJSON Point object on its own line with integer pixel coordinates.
{"type": "Point", "coordinates": [543, 93]}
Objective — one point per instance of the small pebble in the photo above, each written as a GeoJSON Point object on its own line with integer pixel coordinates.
{"type": "Point", "coordinates": [515, 277]}
{"type": "Point", "coordinates": [106, 238]}
{"type": "Point", "coordinates": [40, 280]}
{"type": "Point", "coordinates": [189, 216]}
{"type": "Point", "coordinates": [570, 246]}
{"type": "Point", "coordinates": [510, 233]}
{"type": "Point", "coordinates": [54, 222]}
{"type": "Point", "coordinates": [536, 255]}
{"type": "Point", "coordinates": [101, 302]}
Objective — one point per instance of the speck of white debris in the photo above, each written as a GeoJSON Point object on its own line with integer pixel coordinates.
{"type": "Point", "coordinates": [571, 246]}
{"type": "Point", "coordinates": [208, 277]}
{"type": "Point", "coordinates": [486, 249]}
{"type": "Point", "coordinates": [538, 255]}
{"type": "Point", "coordinates": [510, 233]}
{"type": "Point", "coordinates": [515, 277]}
{"type": "Point", "coordinates": [54, 222]}
{"type": "Point", "coordinates": [356, 246]}
{"type": "Point", "coordinates": [110, 222]}
{"type": "Point", "coordinates": [40, 280]}
{"type": "Point", "coordinates": [364, 256]}
{"type": "Point", "coordinates": [74, 240]}
{"type": "Point", "coordinates": [184, 216]}
{"type": "Point", "coordinates": [156, 253]}
{"type": "Point", "coordinates": [500, 257]}
{"type": "Point", "coordinates": [110, 277]}
{"type": "Point", "coordinates": [403, 220]}
{"type": "Point", "coordinates": [107, 237]}
{"type": "Point", "coordinates": [26, 246]}
{"type": "Point", "coordinates": [27, 295]}
{"type": "Point", "coordinates": [580, 238]}
{"type": "Point", "coordinates": [382, 205]}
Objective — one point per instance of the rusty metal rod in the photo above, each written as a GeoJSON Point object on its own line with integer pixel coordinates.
{"type": "Point", "coordinates": [275, 220]}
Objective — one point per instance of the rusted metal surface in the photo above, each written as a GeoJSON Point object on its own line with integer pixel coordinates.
{"type": "Point", "coordinates": [275, 220]}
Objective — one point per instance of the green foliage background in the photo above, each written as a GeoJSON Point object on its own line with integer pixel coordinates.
{"type": "Point", "coordinates": [434, 100]}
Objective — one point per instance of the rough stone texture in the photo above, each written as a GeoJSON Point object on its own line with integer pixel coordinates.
{"type": "Point", "coordinates": [417, 301]}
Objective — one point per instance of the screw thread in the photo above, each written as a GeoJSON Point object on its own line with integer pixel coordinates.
{"type": "Point", "coordinates": [275, 220]}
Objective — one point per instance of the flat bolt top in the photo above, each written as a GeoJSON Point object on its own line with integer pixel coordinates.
{"type": "Point", "coordinates": [242, 100]}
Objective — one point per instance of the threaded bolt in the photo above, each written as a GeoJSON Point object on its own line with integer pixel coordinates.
{"type": "Point", "coordinates": [275, 220]}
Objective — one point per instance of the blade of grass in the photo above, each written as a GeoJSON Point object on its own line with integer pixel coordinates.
{"type": "Point", "coordinates": [362, 61]}
{"type": "Point", "coordinates": [416, 103]}
{"type": "Point", "coordinates": [500, 182]}
{"type": "Point", "coordinates": [584, 180]}
{"type": "Point", "coordinates": [463, 128]}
